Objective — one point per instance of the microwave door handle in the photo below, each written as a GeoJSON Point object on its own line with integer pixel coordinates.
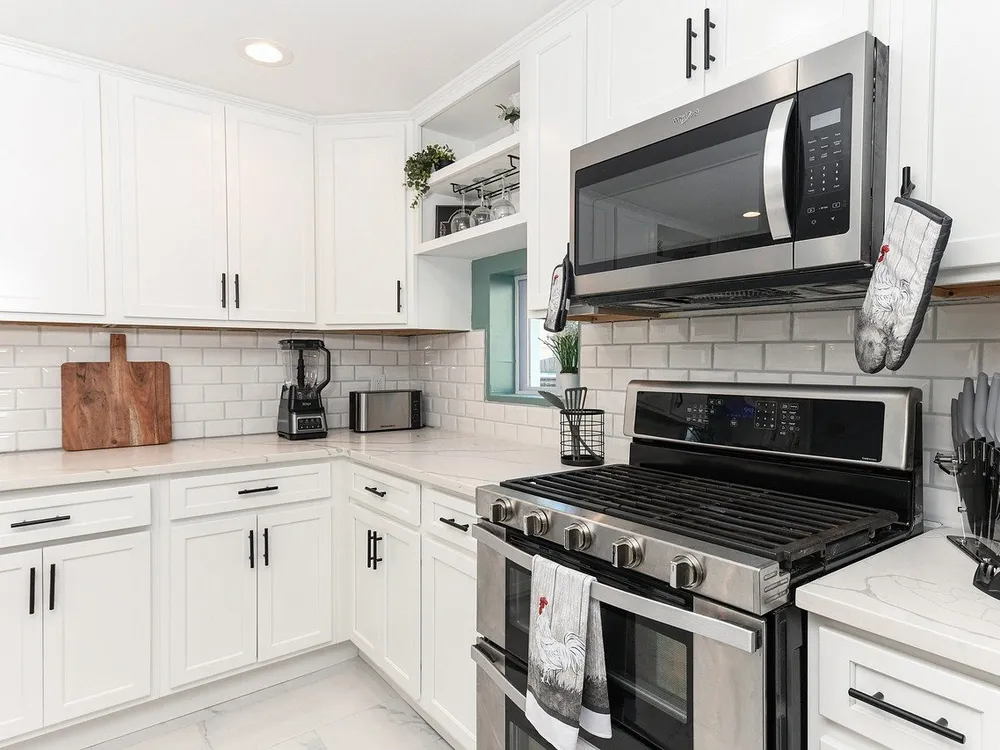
{"type": "Point", "coordinates": [774, 169]}
{"type": "Point", "coordinates": [730, 634]}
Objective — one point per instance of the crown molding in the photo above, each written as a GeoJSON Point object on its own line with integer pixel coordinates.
{"type": "Point", "coordinates": [363, 117]}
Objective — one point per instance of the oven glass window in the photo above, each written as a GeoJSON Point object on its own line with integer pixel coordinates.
{"type": "Point", "coordinates": [649, 671]}
{"type": "Point", "coordinates": [695, 194]}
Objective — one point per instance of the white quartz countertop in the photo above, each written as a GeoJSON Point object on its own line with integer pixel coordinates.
{"type": "Point", "coordinates": [449, 461]}
{"type": "Point", "coordinates": [918, 593]}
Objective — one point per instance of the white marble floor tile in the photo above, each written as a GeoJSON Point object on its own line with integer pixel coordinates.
{"type": "Point", "coordinates": [341, 707]}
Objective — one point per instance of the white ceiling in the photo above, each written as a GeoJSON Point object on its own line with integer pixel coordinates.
{"type": "Point", "coordinates": [350, 55]}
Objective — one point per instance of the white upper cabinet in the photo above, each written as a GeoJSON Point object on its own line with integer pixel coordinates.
{"type": "Point", "coordinates": [751, 37]}
{"type": "Point", "coordinates": [51, 200]}
{"type": "Point", "coordinates": [171, 154]}
{"type": "Point", "coordinates": [20, 643]}
{"type": "Point", "coordinates": [272, 248]}
{"type": "Point", "coordinates": [553, 122]}
{"type": "Point", "coordinates": [637, 60]}
{"type": "Point", "coordinates": [362, 222]}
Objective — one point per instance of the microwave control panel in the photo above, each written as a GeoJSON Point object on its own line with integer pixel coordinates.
{"type": "Point", "coordinates": [824, 113]}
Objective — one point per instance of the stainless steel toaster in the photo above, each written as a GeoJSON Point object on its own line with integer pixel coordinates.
{"type": "Point", "coordinates": [375, 411]}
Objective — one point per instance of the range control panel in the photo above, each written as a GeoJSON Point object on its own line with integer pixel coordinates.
{"type": "Point", "coordinates": [824, 113]}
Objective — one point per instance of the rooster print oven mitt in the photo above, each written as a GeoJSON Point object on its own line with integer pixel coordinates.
{"type": "Point", "coordinates": [916, 235]}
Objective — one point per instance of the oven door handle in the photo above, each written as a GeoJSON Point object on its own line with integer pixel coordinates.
{"type": "Point", "coordinates": [774, 170]}
{"type": "Point", "coordinates": [728, 633]}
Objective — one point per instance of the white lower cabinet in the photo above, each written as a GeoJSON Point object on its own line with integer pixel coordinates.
{"type": "Point", "coordinates": [248, 589]}
{"type": "Point", "coordinates": [74, 630]}
{"type": "Point", "coordinates": [20, 643]}
{"type": "Point", "coordinates": [384, 595]}
{"type": "Point", "coordinates": [448, 632]}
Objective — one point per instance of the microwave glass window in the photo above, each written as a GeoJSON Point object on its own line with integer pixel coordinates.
{"type": "Point", "coordinates": [695, 194]}
{"type": "Point", "coordinates": [825, 119]}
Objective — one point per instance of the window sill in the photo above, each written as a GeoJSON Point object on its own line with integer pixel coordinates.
{"type": "Point", "coordinates": [517, 398]}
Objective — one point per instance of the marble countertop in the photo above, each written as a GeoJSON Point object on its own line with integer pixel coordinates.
{"type": "Point", "coordinates": [449, 461]}
{"type": "Point", "coordinates": [918, 593]}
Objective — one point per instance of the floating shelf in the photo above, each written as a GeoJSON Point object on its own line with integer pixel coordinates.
{"type": "Point", "coordinates": [500, 236]}
{"type": "Point", "coordinates": [480, 164]}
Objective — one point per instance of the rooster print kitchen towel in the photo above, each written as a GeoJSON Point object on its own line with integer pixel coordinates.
{"type": "Point", "coordinates": [916, 235]}
{"type": "Point", "coordinates": [567, 681]}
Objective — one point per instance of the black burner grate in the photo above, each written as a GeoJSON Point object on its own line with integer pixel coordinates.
{"type": "Point", "coordinates": [776, 525]}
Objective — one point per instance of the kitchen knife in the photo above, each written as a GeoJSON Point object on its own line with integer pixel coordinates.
{"type": "Point", "coordinates": [991, 408]}
{"type": "Point", "coordinates": [979, 405]}
{"type": "Point", "coordinates": [967, 404]}
{"type": "Point", "coordinates": [956, 432]}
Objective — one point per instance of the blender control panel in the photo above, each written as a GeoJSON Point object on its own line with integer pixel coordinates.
{"type": "Point", "coordinates": [305, 424]}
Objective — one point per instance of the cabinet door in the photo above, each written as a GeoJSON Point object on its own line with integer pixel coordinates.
{"type": "Point", "coordinates": [272, 248]}
{"type": "Point", "coordinates": [294, 581]}
{"type": "Point", "coordinates": [171, 151]}
{"type": "Point", "coordinates": [52, 231]}
{"type": "Point", "coordinates": [365, 586]}
{"type": "Point", "coordinates": [553, 122]}
{"type": "Point", "coordinates": [637, 61]}
{"type": "Point", "coordinates": [448, 633]}
{"type": "Point", "coordinates": [751, 37]}
{"type": "Point", "coordinates": [362, 222]}
{"type": "Point", "coordinates": [213, 598]}
{"type": "Point", "coordinates": [20, 643]}
{"type": "Point", "coordinates": [399, 550]}
{"type": "Point", "coordinates": [97, 625]}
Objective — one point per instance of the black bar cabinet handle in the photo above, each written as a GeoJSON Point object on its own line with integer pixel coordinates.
{"type": "Point", "coordinates": [689, 66]}
{"type": "Point", "coordinates": [399, 296]}
{"type": "Point", "coordinates": [375, 491]}
{"type": "Point", "coordinates": [237, 281]}
{"type": "Point", "coordinates": [255, 490]}
{"type": "Point", "coordinates": [709, 57]}
{"type": "Point", "coordinates": [939, 727]}
{"type": "Point", "coordinates": [375, 558]}
{"type": "Point", "coordinates": [267, 550]}
{"type": "Point", "coordinates": [52, 587]}
{"type": "Point", "coordinates": [31, 592]}
{"type": "Point", "coordinates": [251, 549]}
{"type": "Point", "coordinates": [369, 560]}
{"type": "Point", "coordinates": [38, 522]}
{"type": "Point", "coordinates": [224, 290]}
{"type": "Point", "coordinates": [451, 522]}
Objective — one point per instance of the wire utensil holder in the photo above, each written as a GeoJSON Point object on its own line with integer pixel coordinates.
{"type": "Point", "coordinates": [581, 437]}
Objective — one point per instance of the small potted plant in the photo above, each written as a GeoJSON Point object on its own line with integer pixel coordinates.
{"type": "Point", "coordinates": [421, 165]}
{"type": "Point", "coordinates": [511, 113]}
{"type": "Point", "coordinates": [565, 347]}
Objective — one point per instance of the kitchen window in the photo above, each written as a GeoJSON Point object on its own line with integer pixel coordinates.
{"type": "Point", "coordinates": [533, 362]}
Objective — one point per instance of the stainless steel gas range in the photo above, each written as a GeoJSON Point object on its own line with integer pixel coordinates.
{"type": "Point", "coordinates": [733, 496]}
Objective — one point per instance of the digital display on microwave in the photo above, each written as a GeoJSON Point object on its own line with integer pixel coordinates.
{"type": "Point", "coordinates": [824, 119]}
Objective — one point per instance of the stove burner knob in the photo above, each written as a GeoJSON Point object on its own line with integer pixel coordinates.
{"type": "Point", "coordinates": [626, 552]}
{"type": "Point", "coordinates": [576, 537]}
{"type": "Point", "coordinates": [685, 572]}
{"type": "Point", "coordinates": [535, 523]}
{"type": "Point", "coordinates": [501, 510]}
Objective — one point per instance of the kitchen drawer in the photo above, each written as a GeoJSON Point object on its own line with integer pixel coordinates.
{"type": "Point", "coordinates": [389, 494]}
{"type": "Point", "coordinates": [445, 514]}
{"type": "Point", "coordinates": [920, 689]}
{"type": "Point", "coordinates": [208, 494]}
{"type": "Point", "coordinates": [63, 515]}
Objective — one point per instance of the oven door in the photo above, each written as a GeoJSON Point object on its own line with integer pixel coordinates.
{"type": "Point", "coordinates": [677, 666]}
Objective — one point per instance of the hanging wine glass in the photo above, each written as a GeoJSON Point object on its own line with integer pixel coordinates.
{"type": "Point", "coordinates": [503, 207]}
{"type": "Point", "coordinates": [461, 219]}
{"type": "Point", "coordinates": [481, 214]}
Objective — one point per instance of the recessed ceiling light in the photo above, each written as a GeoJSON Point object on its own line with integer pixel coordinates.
{"type": "Point", "coordinates": [751, 214]}
{"type": "Point", "coordinates": [264, 52]}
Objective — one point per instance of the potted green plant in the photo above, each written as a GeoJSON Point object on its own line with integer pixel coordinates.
{"type": "Point", "coordinates": [511, 113]}
{"type": "Point", "coordinates": [421, 165]}
{"type": "Point", "coordinates": [565, 347]}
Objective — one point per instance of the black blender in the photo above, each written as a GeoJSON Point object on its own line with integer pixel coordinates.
{"type": "Point", "coordinates": [300, 414]}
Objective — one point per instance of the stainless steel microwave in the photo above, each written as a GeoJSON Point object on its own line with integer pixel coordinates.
{"type": "Point", "coordinates": [770, 191]}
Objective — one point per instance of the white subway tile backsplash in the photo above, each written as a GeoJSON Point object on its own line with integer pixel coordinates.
{"type": "Point", "coordinates": [622, 377]}
{"type": "Point", "coordinates": [977, 321]}
{"type": "Point", "coordinates": [224, 427]}
{"type": "Point", "coordinates": [8, 442]}
{"type": "Point", "coordinates": [738, 356]}
{"type": "Point", "coordinates": [597, 378]}
{"type": "Point", "coordinates": [942, 392]}
{"type": "Point", "coordinates": [188, 430]}
{"type": "Point", "coordinates": [39, 440]}
{"type": "Point", "coordinates": [631, 332]}
{"type": "Point", "coordinates": [929, 359]}
{"type": "Point", "coordinates": [690, 357]}
{"type": "Point", "coordinates": [222, 357]}
{"type": "Point", "coordinates": [669, 331]}
{"type": "Point", "coordinates": [355, 357]}
{"type": "Point", "coordinates": [189, 356]}
{"type": "Point", "coordinates": [7, 399]}
{"type": "Point", "coordinates": [763, 377]}
{"type": "Point", "coordinates": [591, 335]}
{"type": "Point", "coordinates": [21, 420]}
{"type": "Point", "coordinates": [389, 358]}
{"type": "Point", "coordinates": [239, 374]}
{"type": "Point", "coordinates": [771, 327]}
{"type": "Point", "coordinates": [588, 356]}
{"type": "Point", "coordinates": [242, 409]}
{"type": "Point", "coordinates": [239, 339]}
{"type": "Point", "coordinates": [6, 356]}
{"type": "Point", "coordinates": [19, 335]}
{"type": "Point", "coordinates": [187, 394]}
{"type": "Point", "coordinates": [613, 356]}
{"type": "Point", "coordinates": [39, 398]}
{"type": "Point", "coordinates": [159, 338]}
{"type": "Point", "coordinates": [828, 325]}
{"type": "Point", "coordinates": [815, 378]}
{"type": "Point", "coordinates": [199, 339]}
{"type": "Point", "coordinates": [58, 336]}
{"type": "Point", "coordinates": [202, 375]}
{"type": "Point", "coordinates": [793, 357]}
{"type": "Point", "coordinates": [651, 355]}
{"type": "Point", "coordinates": [51, 377]}
{"type": "Point", "coordinates": [504, 431]}
{"type": "Point", "coordinates": [714, 328]}
{"type": "Point", "coordinates": [39, 356]}
{"type": "Point", "coordinates": [22, 377]}
{"type": "Point", "coordinates": [202, 412]}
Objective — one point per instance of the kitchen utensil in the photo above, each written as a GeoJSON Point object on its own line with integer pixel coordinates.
{"type": "Point", "coordinates": [572, 424]}
{"type": "Point", "coordinates": [553, 399]}
{"type": "Point", "coordinates": [115, 404]}
{"type": "Point", "coordinates": [956, 435]}
{"type": "Point", "coordinates": [991, 408]}
{"type": "Point", "coordinates": [576, 398]}
{"type": "Point", "coordinates": [980, 403]}
{"type": "Point", "coordinates": [968, 408]}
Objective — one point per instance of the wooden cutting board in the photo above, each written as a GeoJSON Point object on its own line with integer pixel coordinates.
{"type": "Point", "coordinates": [116, 404]}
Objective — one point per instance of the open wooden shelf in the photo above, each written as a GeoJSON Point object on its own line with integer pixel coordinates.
{"type": "Point", "coordinates": [500, 236]}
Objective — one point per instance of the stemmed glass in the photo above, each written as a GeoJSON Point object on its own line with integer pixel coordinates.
{"type": "Point", "coordinates": [503, 207]}
{"type": "Point", "coordinates": [481, 214]}
{"type": "Point", "coordinates": [461, 219]}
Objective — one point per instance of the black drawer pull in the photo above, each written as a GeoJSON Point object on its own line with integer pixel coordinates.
{"type": "Point", "coordinates": [939, 727]}
{"type": "Point", "coordinates": [375, 491]}
{"type": "Point", "coordinates": [255, 490]}
{"type": "Point", "coordinates": [31, 592]}
{"type": "Point", "coordinates": [38, 522]}
{"type": "Point", "coordinates": [52, 587]}
{"type": "Point", "coordinates": [454, 524]}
